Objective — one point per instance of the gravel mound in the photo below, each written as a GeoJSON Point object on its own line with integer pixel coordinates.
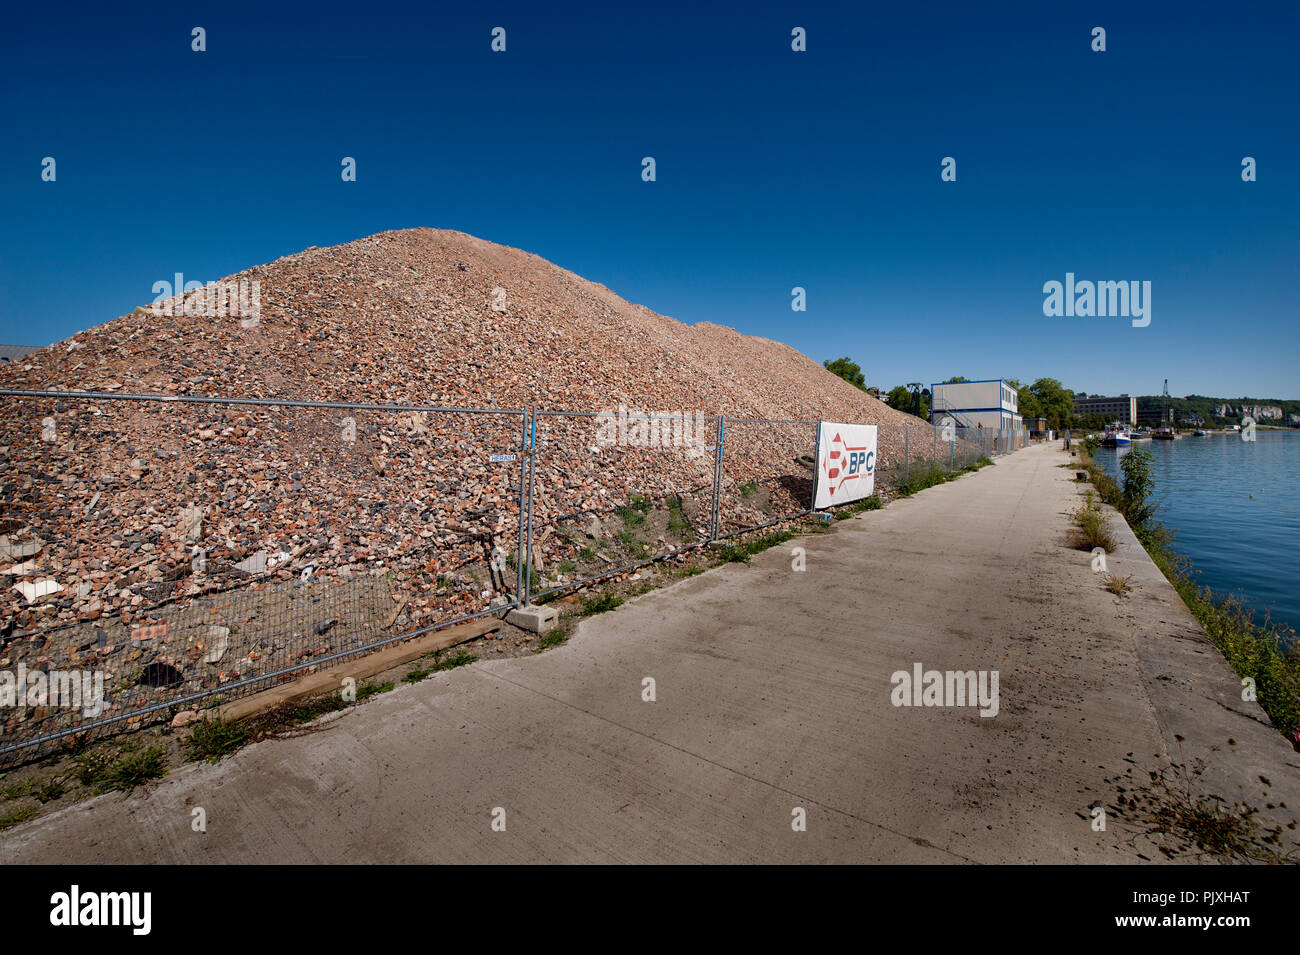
{"type": "Point", "coordinates": [140, 512]}
{"type": "Point", "coordinates": [407, 317]}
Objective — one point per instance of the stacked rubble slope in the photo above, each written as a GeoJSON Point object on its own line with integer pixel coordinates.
{"type": "Point", "coordinates": [137, 510]}
{"type": "Point", "coordinates": [408, 317]}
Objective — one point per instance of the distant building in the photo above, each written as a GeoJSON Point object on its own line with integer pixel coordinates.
{"type": "Point", "coordinates": [1123, 408]}
{"type": "Point", "coordinates": [9, 353]}
{"type": "Point", "coordinates": [1155, 416]}
{"type": "Point", "coordinates": [992, 404]}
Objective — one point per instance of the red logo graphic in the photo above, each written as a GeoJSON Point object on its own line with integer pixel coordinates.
{"type": "Point", "coordinates": [843, 463]}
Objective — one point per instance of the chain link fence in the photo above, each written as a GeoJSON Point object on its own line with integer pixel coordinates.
{"type": "Point", "coordinates": [185, 550]}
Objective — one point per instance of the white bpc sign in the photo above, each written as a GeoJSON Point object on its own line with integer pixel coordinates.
{"type": "Point", "coordinates": [846, 463]}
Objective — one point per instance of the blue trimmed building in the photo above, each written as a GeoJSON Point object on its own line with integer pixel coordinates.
{"type": "Point", "coordinates": [991, 403]}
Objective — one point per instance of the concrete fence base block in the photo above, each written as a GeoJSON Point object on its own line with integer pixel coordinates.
{"type": "Point", "coordinates": [538, 619]}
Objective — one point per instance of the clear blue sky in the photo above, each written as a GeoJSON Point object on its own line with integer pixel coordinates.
{"type": "Point", "coordinates": [775, 168]}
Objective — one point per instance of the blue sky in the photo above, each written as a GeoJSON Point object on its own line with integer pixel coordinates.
{"type": "Point", "coordinates": [775, 169]}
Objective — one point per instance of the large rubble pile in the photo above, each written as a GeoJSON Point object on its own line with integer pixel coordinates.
{"type": "Point", "coordinates": [129, 508]}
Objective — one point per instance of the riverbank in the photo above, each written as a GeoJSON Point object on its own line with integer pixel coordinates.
{"type": "Point", "coordinates": [1260, 653]}
{"type": "Point", "coordinates": [1234, 511]}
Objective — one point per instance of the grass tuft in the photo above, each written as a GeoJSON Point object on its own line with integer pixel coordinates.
{"type": "Point", "coordinates": [1119, 586]}
{"type": "Point", "coordinates": [739, 552]}
{"type": "Point", "coordinates": [872, 503]}
{"type": "Point", "coordinates": [1092, 527]}
{"type": "Point", "coordinates": [458, 659]}
{"type": "Point", "coordinates": [314, 709]}
{"type": "Point", "coordinates": [554, 638]}
{"type": "Point", "coordinates": [601, 604]}
{"type": "Point", "coordinates": [368, 689]}
{"type": "Point", "coordinates": [134, 769]}
{"type": "Point", "coordinates": [213, 738]}
{"type": "Point", "coordinates": [16, 816]}
{"type": "Point", "coordinates": [677, 522]}
{"type": "Point", "coordinates": [92, 767]}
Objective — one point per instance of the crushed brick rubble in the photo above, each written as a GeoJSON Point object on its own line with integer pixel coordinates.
{"type": "Point", "coordinates": [197, 544]}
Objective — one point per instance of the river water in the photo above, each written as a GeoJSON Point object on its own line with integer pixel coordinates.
{"type": "Point", "coordinates": [1235, 510]}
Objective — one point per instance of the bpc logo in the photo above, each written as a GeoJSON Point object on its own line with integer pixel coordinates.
{"type": "Point", "coordinates": [844, 464]}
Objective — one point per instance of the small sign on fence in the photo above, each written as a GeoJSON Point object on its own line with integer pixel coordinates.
{"type": "Point", "coordinates": [501, 458]}
{"type": "Point", "coordinates": [846, 463]}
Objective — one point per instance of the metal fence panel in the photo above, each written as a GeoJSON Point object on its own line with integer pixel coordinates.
{"type": "Point", "coordinates": [767, 470]}
{"type": "Point", "coordinates": [615, 490]}
{"type": "Point", "coordinates": [198, 550]}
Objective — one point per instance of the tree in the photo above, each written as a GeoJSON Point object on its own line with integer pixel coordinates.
{"type": "Point", "coordinates": [847, 369]}
{"type": "Point", "coordinates": [1138, 485]}
{"type": "Point", "coordinates": [1028, 403]}
{"type": "Point", "coordinates": [1051, 400]}
{"type": "Point", "coordinates": [1086, 422]}
{"type": "Point", "coordinates": [901, 398]}
{"type": "Point", "coordinates": [956, 379]}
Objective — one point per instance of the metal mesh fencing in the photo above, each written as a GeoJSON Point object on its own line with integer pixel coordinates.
{"type": "Point", "coordinates": [613, 490]}
{"type": "Point", "coordinates": [905, 452]}
{"type": "Point", "coordinates": [188, 550]}
{"type": "Point", "coordinates": [766, 471]}
{"type": "Point", "coordinates": [177, 551]}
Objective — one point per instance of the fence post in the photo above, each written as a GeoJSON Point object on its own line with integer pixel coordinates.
{"type": "Point", "coordinates": [817, 450]}
{"type": "Point", "coordinates": [907, 452]}
{"type": "Point", "coordinates": [717, 481]}
{"type": "Point", "coordinates": [532, 466]}
{"type": "Point", "coordinates": [519, 544]}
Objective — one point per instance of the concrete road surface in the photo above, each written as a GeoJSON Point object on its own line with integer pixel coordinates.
{"type": "Point", "coordinates": [772, 695]}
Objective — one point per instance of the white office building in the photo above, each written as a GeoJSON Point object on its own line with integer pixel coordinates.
{"type": "Point", "coordinates": [992, 404]}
